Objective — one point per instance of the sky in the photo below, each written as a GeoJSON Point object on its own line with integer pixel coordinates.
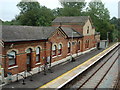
{"type": "Point", "coordinates": [8, 8]}
{"type": "Point", "coordinates": [119, 9]}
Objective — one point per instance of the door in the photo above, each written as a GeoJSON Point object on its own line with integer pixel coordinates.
{"type": "Point", "coordinates": [98, 45]}
{"type": "Point", "coordinates": [29, 56]}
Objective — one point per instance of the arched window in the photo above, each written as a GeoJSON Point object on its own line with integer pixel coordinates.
{"type": "Point", "coordinates": [88, 30]}
{"type": "Point", "coordinates": [29, 55]}
{"type": "Point", "coordinates": [79, 45]}
{"type": "Point", "coordinates": [69, 47]}
{"type": "Point", "coordinates": [87, 44]}
{"type": "Point", "coordinates": [54, 49]}
{"type": "Point", "coordinates": [12, 58]}
{"type": "Point", "coordinates": [28, 50]}
{"type": "Point", "coordinates": [37, 54]}
{"type": "Point", "coordinates": [59, 49]}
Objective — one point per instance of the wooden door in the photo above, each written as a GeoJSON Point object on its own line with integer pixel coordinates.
{"type": "Point", "coordinates": [29, 62]}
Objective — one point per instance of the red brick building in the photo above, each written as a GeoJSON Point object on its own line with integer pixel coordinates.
{"type": "Point", "coordinates": [28, 48]}
{"type": "Point", "coordinates": [83, 25]}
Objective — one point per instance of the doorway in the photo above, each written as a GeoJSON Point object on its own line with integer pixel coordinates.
{"type": "Point", "coordinates": [29, 57]}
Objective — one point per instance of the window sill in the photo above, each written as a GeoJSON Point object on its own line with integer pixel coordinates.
{"type": "Point", "coordinates": [54, 57]}
{"type": "Point", "coordinates": [13, 67]}
{"type": "Point", "coordinates": [60, 55]}
{"type": "Point", "coordinates": [37, 63]}
{"type": "Point", "coordinates": [68, 54]}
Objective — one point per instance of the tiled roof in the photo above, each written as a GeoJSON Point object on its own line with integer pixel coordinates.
{"type": "Point", "coordinates": [25, 33]}
{"type": "Point", "coordinates": [29, 33]}
{"type": "Point", "coordinates": [71, 32]}
{"type": "Point", "coordinates": [71, 19]}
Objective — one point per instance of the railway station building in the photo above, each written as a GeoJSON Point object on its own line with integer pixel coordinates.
{"type": "Point", "coordinates": [29, 48]}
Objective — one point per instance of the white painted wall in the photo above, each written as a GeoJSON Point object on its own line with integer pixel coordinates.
{"type": "Point", "coordinates": [103, 44]}
{"type": "Point", "coordinates": [91, 30]}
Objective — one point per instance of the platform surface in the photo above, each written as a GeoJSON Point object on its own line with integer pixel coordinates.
{"type": "Point", "coordinates": [41, 79]}
{"type": "Point", "coordinates": [68, 76]}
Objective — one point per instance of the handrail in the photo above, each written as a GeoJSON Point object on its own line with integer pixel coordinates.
{"type": "Point", "coordinates": [30, 76]}
{"type": "Point", "coordinates": [22, 77]}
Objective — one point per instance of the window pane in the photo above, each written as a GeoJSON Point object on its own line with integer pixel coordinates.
{"type": "Point", "coordinates": [54, 53]}
{"type": "Point", "coordinates": [68, 44]}
{"type": "Point", "coordinates": [59, 52]}
{"type": "Point", "coordinates": [29, 50]}
{"type": "Point", "coordinates": [37, 50]}
{"type": "Point", "coordinates": [12, 61]}
{"type": "Point", "coordinates": [12, 56]}
{"type": "Point", "coordinates": [54, 47]}
{"type": "Point", "coordinates": [37, 58]}
{"type": "Point", "coordinates": [59, 46]}
{"type": "Point", "coordinates": [28, 59]}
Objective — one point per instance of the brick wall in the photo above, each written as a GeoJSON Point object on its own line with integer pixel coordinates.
{"type": "Point", "coordinates": [21, 56]}
{"type": "Point", "coordinates": [21, 47]}
{"type": "Point", "coordinates": [57, 39]}
{"type": "Point", "coordinates": [78, 28]}
{"type": "Point", "coordinates": [91, 39]}
{"type": "Point", "coordinates": [46, 49]}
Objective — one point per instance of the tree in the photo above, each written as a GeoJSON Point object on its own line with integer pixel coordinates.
{"type": "Point", "coordinates": [97, 8]}
{"type": "Point", "coordinates": [100, 17]}
{"type": "Point", "coordinates": [28, 6]}
{"type": "Point", "coordinates": [29, 13]}
{"type": "Point", "coordinates": [116, 23]}
{"type": "Point", "coordinates": [118, 28]}
{"type": "Point", "coordinates": [46, 16]}
{"type": "Point", "coordinates": [70, 9]}
{"type": "Point", "coordinates": [32, 14]}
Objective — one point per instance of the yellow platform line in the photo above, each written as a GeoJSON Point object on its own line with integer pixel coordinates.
{"type": "Point", "coordinates": [75, 67]}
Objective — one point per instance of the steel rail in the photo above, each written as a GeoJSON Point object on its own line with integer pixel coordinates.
{"type": "Point", "coordinates": [106, 72]}
{"type": "Point", "coordinates": [98, 68]}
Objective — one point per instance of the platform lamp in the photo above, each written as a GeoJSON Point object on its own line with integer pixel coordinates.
{"type": "Point", "coordinates": [72, 59]}
{"type": "Point", "coordinates": [50, 69]}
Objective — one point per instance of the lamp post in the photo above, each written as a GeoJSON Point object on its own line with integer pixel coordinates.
{"type": "Point", "coordinates": [72, 59]}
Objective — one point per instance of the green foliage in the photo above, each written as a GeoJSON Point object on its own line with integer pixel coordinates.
{"type": "Point", "coordinates": [116, 24]}
{"type": "Point", "coordinates": [70, 9]}
{"type": "Point", "coordinates": [28, 6]}
{"type": "Point", "coordinates": [13, 22]}
{"type": "Point", "coordinates": [32, 14]}
{"type": "Point", "coordinates": [46, 16]}
{"type": "Point", "coordinates": [100, 17]}
{"type": "Point", "coordinates": [98, 9]}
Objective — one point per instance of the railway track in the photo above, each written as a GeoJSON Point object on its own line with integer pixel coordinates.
{"type": "Point", "coordinates": [95, 76]}
{"type": "Point", "coordinates": [117, 84]}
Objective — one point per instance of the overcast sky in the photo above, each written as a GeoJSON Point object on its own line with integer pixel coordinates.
{"type": "Point", "coordinates": [8, 9]}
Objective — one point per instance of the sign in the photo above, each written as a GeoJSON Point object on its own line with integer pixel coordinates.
{"type": "Point", "coordinates": [48, 59]}
{"type": "Point", "coordinates": [0, 70]}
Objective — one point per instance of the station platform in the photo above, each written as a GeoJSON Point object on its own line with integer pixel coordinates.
{"type": "Point", "coordinates": [62, 73]}
{"type": "Point", "coordinates": [71, 74]}
{"type": "Point", "coordinates": [41, 79]}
